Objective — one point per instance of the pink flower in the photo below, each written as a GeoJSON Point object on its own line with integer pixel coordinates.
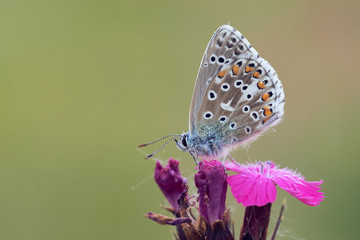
{"type": "Point", "coordinates": [255, 185]}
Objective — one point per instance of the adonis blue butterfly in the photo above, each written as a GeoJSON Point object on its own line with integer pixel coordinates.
{"type": "Point", "coordinates": [237, 96]}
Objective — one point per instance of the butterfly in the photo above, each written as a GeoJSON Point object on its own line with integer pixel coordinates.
{"type": "Point", "coordinates": [237, 96]}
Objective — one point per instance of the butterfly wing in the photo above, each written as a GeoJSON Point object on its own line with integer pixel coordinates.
{"type": "Point", "coordinates": [226, 42]}
{"type": "Point", "coordinates": [237, 93]}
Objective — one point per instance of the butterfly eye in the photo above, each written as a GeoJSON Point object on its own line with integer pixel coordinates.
{"type": "Point", "coordinates": [184, 142]}
{"type": "Point", "coordinates": [225, 87]}
{"type": "Point", "coordinates": [208, 115]}
{"type": "Point", "coordinates": [212, 95]}
{"type": "Point", "coordinates": [246, 109]}
{"type": "Point", "coordinates": [238, 83]}
{"type": "Point", "coordinates": [232, 126]}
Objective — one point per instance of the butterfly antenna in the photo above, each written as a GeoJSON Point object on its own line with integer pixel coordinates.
{"type": "Point", "coordinates": [149, 156]}
{"type": "Point", "coordinates": [146, 144]}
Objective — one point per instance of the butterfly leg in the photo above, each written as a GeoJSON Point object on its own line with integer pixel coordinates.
{"type": "Point", "coordinates": [195, 159]}
{"type": "Point", "coordinates": [232, 159]}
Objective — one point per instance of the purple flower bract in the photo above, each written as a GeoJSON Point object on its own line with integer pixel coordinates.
{"type": "Point", "coordinates": [211, 183]}
{"type": "Point", "coordinates": [170, 182]}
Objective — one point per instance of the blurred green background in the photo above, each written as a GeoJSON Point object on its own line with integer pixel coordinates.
{"type": "Point", "coordinates": [84, 82]}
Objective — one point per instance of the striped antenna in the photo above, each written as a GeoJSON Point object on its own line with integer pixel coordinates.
{"type": "Point", "coordinates": [146, 144]}
{"type": "Point", "coordinates": [149, 156]}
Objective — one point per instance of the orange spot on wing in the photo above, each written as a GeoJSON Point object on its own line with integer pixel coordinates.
{"type": "Point", "coordinates": [265, 97]}
{"type": "Point", "coordinates": [248, 69]}
{"type": "Point", "coordinates": [265, 120]}
{"type": "Point", "coordinates": [267, 111]}
{"type": "Point", "coordinates": [261, 85]}
{"type": "Point", "coordinates": [256, 74]}
{"type": "Point", "coordinates": [235, 69]}
{"type": "Point", "coordinates": [222, 73]}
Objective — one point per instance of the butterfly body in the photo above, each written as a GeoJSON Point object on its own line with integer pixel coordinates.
{"type": "Point", "coordinates": [237, 96]}
{"type": "Point", "coordinates": [209, 144]}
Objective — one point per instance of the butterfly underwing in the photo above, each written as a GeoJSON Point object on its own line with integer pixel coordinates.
{"type": "Point", "coordinates": [237, 96]}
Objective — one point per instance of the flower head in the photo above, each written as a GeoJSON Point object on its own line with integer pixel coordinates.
{"type": "Point", "coordinates": [170, 182]}
{"type": "Point", "coordinates": [255, 185]}
{"type": "Point", "coordinates": [211, 183]}
{"type": "Point", "coordinates": [212, 222]}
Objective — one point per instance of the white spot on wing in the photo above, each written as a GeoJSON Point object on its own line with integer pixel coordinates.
{"type": "Point", "coordinates": [218, 80]}
{"type": "Point", "coordinates": [226, 106]}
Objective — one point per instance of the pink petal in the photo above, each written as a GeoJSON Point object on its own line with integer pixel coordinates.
{"type": "Point", "coordinates": [249, 168]}
{"type": "Point", "coordinates": [252, 190]}
{"type": "Point", "coordinates": [295, 184]}
{"type": "Point", "coordinates": [233, 166]}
